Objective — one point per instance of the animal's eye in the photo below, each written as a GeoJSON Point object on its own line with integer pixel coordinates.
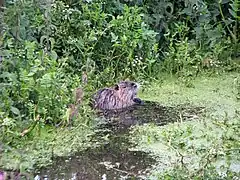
{"type": "Point", "coordinates": [132, 84]}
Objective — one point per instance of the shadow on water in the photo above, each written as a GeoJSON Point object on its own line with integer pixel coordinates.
{"type": "Point", "coordinates": [114, 160]}
{"type": "Point", "coordinates": [150, 112]}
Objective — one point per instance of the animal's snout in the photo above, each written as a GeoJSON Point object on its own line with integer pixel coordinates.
{"type": "Point", "coordinates": [134, 85]}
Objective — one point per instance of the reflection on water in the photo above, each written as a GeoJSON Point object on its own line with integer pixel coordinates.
{"type": "Point", "coordinates": [150, 112]}
{"type": "Point", "coordinates": [111, 161]}
{"type": "Point", "coordinates": [114, 160]}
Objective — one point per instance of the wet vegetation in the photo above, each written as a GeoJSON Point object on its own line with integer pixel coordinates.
{"type": "Point", "coordinates": [115, 159]}
{"type": "Point", "coordinates": [55, 54]}
{"type": "Point", "coordinates": [206, 147]}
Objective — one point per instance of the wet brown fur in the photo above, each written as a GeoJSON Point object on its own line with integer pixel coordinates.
{"type": "Point", "coordinates": [120, 96]}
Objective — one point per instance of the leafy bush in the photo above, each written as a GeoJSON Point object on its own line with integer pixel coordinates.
{"type": "Point", "coordinates": [186, 57]}
{"type": "Point", "coordinates": [121, 46]}
{"type": "Point", "coordinates": [33, 85]}
{"type": "Point", "coordinates": [208, 22]}
{"type": "Point", "coordinates": [46, 46]}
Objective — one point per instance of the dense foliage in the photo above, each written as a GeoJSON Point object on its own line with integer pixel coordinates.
{"type": "Point", "coordinates": [45, 46]}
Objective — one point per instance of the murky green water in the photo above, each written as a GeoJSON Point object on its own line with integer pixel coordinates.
{"type": "Point", "coordinates": [114, 160]}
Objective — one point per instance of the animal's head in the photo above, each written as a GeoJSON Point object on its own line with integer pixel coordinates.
{"type": "Point", "coordinates": [128, 89]}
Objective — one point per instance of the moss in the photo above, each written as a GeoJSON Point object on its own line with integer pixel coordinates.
{"type": "Point", "coordinates": [185, 147]}
{"type": "Point", "coordinates": [217, 93]}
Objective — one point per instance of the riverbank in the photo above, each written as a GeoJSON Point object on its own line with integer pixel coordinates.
{"type": "Point", "coordinates": [167, 144]}
{"type": "Point", "coordinates": [195, 148]}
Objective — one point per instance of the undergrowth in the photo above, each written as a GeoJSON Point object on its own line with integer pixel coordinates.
{"type": "Point", "coordinates": [49, 49]}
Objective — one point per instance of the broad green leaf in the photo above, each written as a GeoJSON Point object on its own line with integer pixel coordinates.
{"type": "Point", "coordinates": [31, 74]}
{"type": "Point", "coordinates": [4, 53]}
{"type": "Point", "coordinates": [54, 55]}
{"type": "Point", "coordinates": [52, 41]}
{"type": "Point", "coordinates": [233, 13]}
{"type": "Point", "coordinates": [15, 110]}
{"type": "Point", "coordinates": [114, 37]}
{"type": "Point", "coordinates": [225, 1]}
{"type": "Point", "coordinates": [10, 76]}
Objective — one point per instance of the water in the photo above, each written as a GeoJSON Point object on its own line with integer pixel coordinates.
{"type": "Point", "coordinates": [114, 160]}
{"type": "Point", "coordinates": [111, 161]}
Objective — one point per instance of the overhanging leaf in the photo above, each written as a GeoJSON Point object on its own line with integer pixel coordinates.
{"type": "Point", "coordinates": [15, 110]}
{"type": "Point", "coordinates": [54, 55]}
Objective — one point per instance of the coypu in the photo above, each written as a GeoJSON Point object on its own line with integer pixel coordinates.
{"type": "Point", "coordinates": [120, 96]}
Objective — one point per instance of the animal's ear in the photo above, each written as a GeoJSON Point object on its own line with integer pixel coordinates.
{"type": "Point", "coordinates": [116, 87]}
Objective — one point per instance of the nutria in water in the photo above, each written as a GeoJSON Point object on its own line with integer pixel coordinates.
{"type": "Point", "coordinates": [120, 96]}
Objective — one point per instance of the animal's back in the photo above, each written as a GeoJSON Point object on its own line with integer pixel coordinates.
{"type": "Point", "coordinates": [120, 96]}
{"type": "Point", "coordinates": [105, 99]}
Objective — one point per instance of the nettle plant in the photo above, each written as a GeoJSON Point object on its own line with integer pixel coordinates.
{"type": "Point", "coordinates": [33, 86]}
{"type": "Point", "coordinates": [114, 46]}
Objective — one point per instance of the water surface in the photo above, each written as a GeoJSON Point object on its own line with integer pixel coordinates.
{"type": "Point", "coordinates": [114, 160]}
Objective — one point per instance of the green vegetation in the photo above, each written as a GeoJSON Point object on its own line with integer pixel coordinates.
{"type": "Point", "coordinates": [193, 149]}
{"type": "Point", "coordinates": [182, 52]}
